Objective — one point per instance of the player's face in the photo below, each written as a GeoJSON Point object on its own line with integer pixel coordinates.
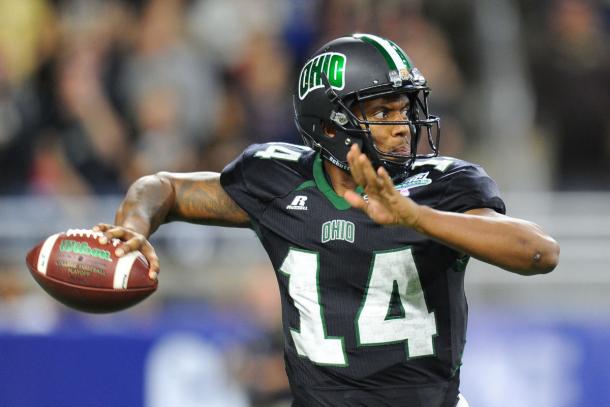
{"type": "Point", "coordinates": [389, 138]}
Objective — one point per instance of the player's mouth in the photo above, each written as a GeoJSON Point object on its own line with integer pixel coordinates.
{"type": "Point", "coordinates": [401, 150]}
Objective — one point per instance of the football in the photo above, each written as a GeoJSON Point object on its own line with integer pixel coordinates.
{"type": "Point", "coordinates": [80, 272]}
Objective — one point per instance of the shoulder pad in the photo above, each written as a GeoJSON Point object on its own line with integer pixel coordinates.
{"type": "Point", "coordinates": [458, 185]}
{"type": "Point", "coordinates": [266, 171]}
{"type": "Point", "coordinates": [281, 153]}
{"type": "Point", "coordinates": [440, 164]}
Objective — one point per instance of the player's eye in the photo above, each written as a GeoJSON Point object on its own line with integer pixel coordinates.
{"type": "Point", "coordinates": [380, 114]}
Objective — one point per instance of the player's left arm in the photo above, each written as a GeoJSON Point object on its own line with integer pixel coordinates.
{"type": "Point", "coordinates": [514, 244]}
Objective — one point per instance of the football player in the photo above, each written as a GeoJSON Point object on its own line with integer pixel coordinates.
{"type": "Point", "coordinates": [369, 238]}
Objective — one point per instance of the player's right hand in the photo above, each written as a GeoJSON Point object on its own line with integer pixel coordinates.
{"type": "Point", "coordinates": [132, 241]}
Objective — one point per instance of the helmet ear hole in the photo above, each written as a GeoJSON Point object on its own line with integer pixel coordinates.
{"type": "Point", "coordinates": [329, 129]}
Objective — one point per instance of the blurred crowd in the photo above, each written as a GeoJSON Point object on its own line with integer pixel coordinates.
{"type": "Point", "coordinates": [95, 93]}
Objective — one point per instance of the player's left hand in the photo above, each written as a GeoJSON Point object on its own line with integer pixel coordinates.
{"type": "Point", "coordinates": [384, 204]}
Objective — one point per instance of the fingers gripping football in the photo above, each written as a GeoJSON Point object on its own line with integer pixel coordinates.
{"type": "Point", "coordinates": [132, 241]}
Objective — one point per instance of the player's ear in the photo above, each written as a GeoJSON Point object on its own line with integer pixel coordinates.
{"type": "Point", "coordinates": [329, 129]}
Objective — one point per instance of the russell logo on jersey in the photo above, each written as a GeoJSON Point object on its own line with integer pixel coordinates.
{"type": "Point", "coordinates": [298, 203]}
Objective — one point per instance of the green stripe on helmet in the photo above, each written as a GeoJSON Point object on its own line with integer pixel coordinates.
{"type": "Point", "coordinates": [386, 55]}
{"type": "Point", "coordinates": [395, 57]}
{"type": "Point", "coordinates": [402, 55]}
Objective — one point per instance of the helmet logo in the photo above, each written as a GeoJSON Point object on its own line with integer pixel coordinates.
{"type": "Point", "coordinates": [339, 118]}
{"type": "Point", "coordinates": [330, 63]}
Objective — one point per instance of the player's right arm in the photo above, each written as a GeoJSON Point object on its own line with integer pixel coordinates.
{"type": "Point", "coordinates": [195, 197]}
{"type": "Point", "coordinates": [164, 197]}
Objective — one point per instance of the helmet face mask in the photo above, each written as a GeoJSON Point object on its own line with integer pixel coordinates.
{"type": "Point", "coordinates": [339, 79]}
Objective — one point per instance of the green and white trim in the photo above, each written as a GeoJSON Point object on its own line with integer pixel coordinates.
{"type": "Point", "coordinates": [394, 56]}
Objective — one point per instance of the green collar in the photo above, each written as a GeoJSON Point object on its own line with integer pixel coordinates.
{"type": "Point", "coordinates": [318, 174]}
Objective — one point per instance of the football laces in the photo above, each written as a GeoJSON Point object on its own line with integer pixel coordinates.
{"type": "Point", "coordinates": [91, 234]}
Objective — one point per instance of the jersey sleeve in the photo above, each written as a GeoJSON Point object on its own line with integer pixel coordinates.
{"type": "Point", "coordinates": [469, 187]}
{"type": "Point", "coordinates": [262, 173]}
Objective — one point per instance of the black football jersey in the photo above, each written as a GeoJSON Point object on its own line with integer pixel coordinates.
{"type": "Point", "coordinates": [373, 315]}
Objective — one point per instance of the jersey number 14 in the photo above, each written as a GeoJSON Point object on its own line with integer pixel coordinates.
{"type": "Point", "coordinates": [390, 269]}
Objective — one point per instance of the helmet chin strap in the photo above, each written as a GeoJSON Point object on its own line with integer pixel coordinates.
{"type": "Point", "coordinates": [397, 171]}
{"type": "Point", "coordinates": [369, 149]}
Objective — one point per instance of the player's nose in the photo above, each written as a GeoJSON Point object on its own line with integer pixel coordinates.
{"type": "Point", "coordinates": [401, 130]}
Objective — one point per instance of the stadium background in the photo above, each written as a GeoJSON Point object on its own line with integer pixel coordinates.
{"type": "Point", "coordinates": [95, 93]}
